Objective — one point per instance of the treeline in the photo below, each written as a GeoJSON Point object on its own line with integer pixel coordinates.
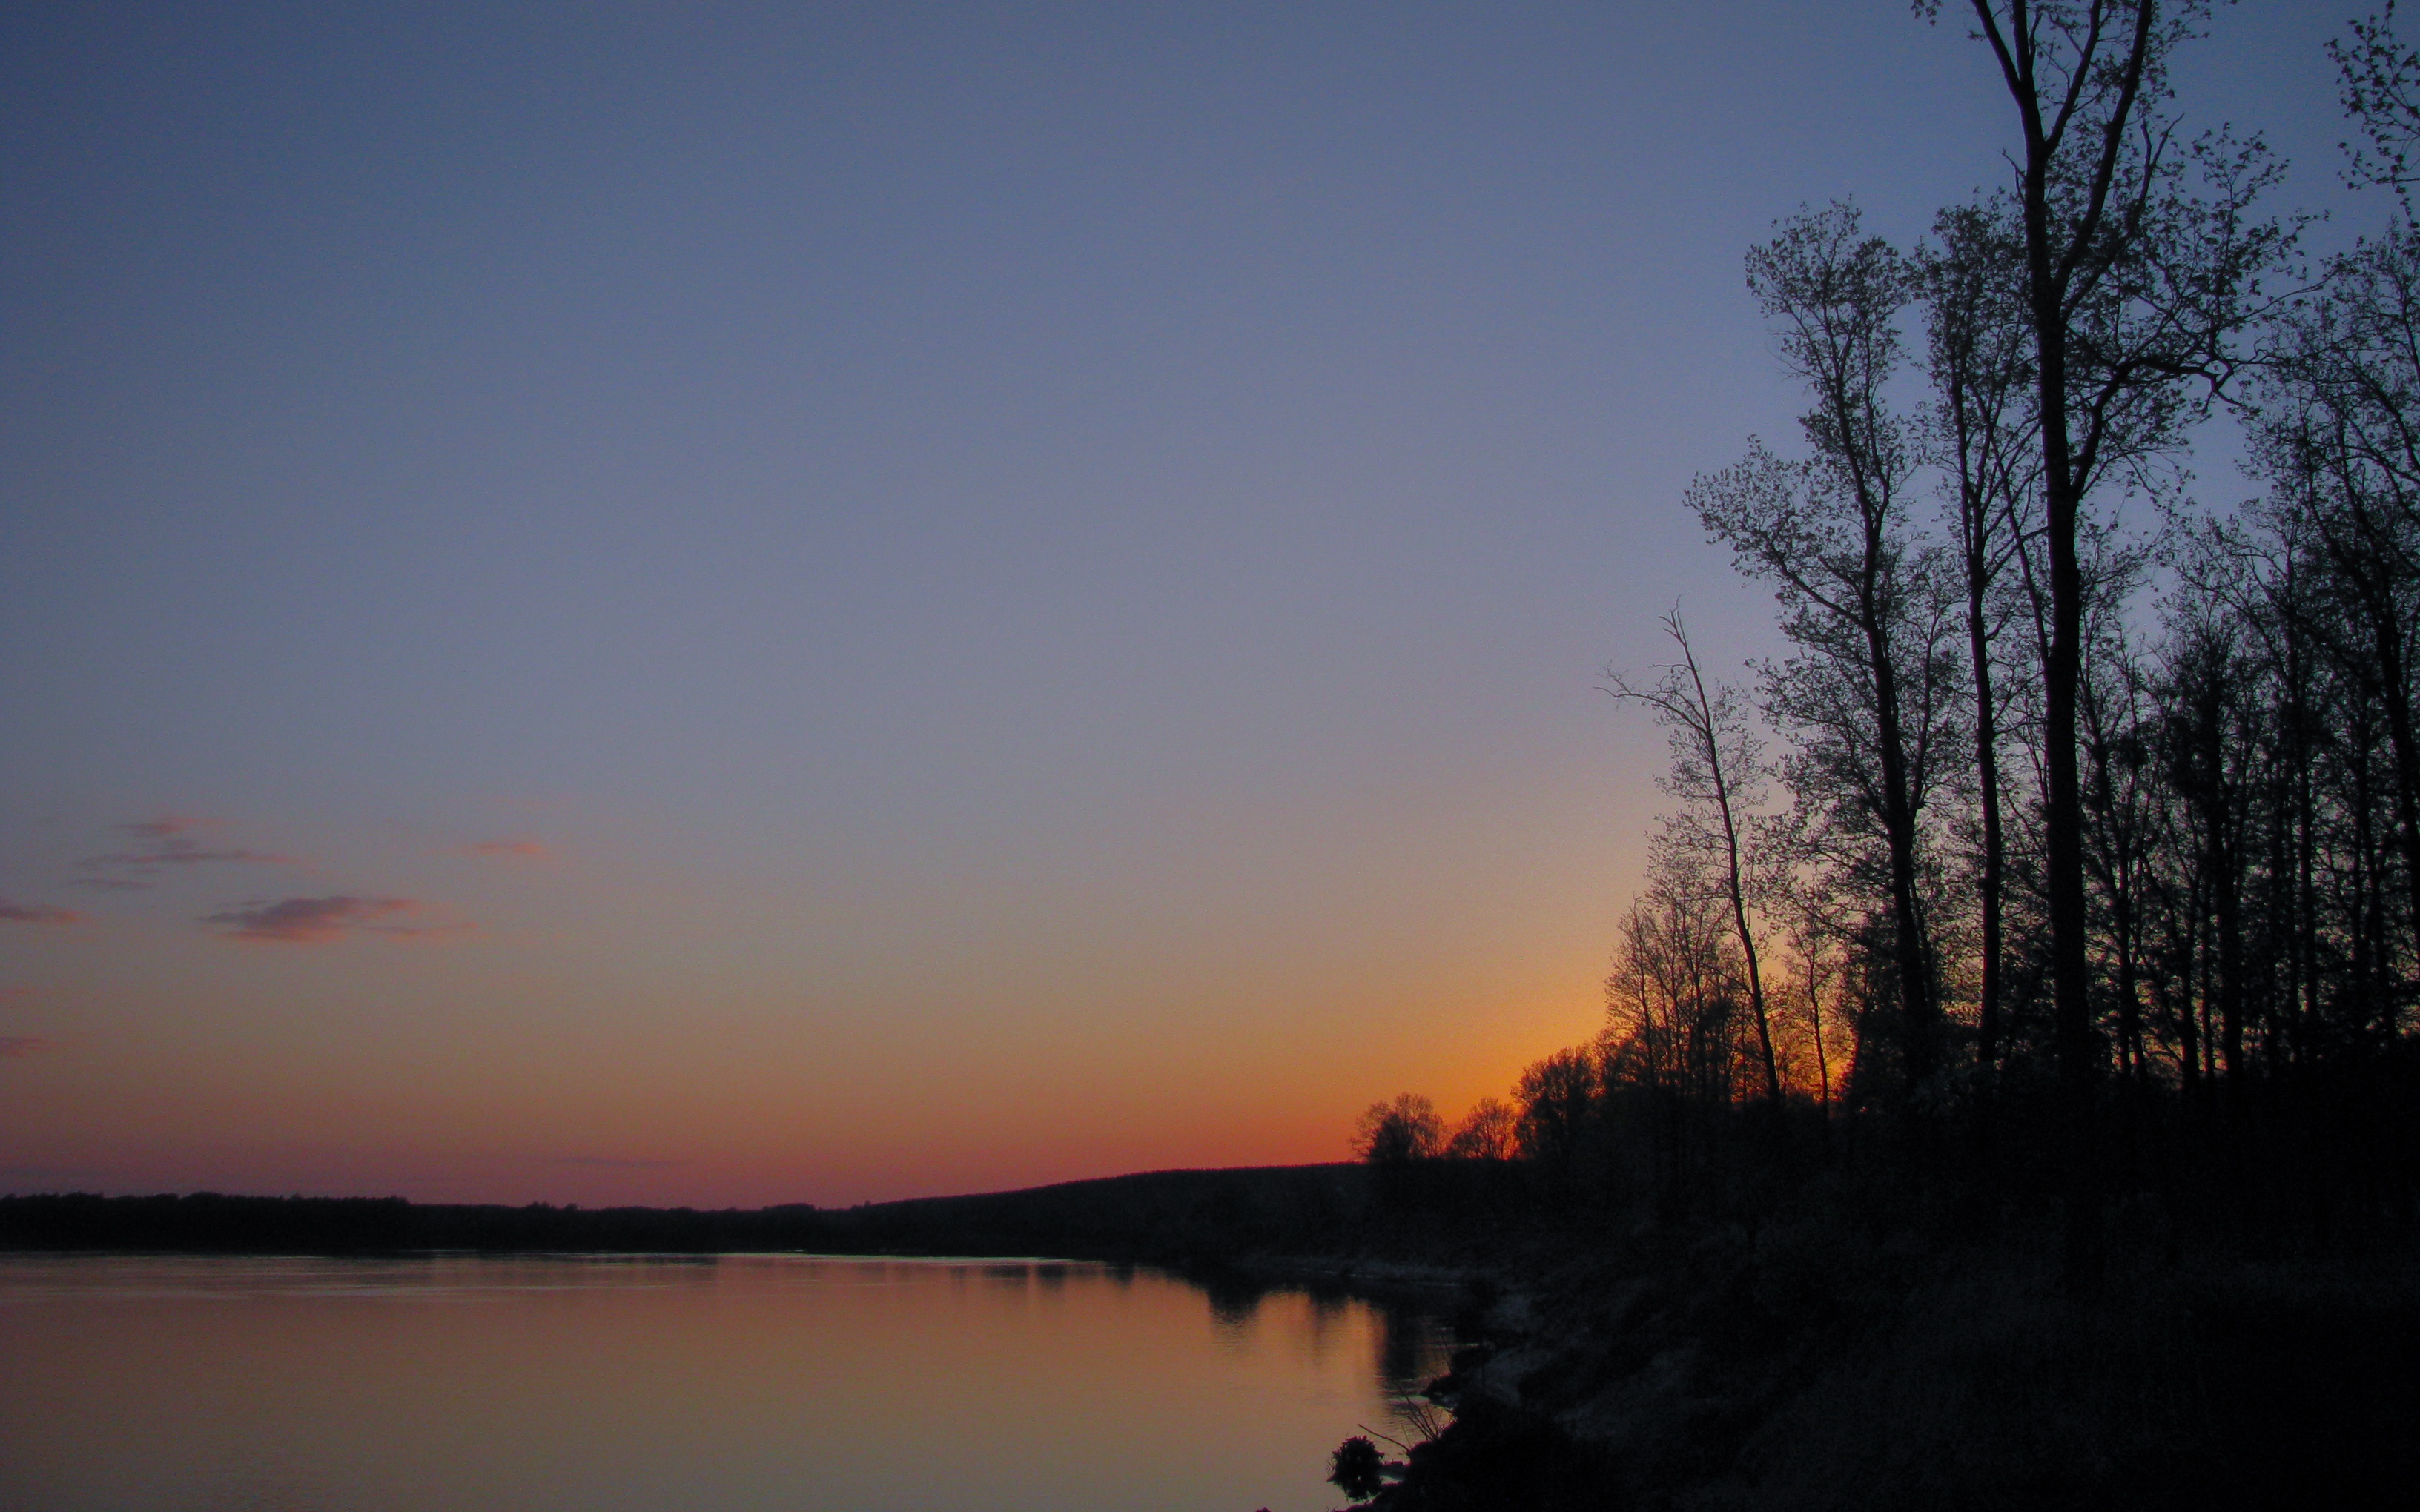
{"type": "Point", "coordinates": [217, 1223]}
{"type": "Point", "coordinates": [1205, 1217]}
{"type": "Point", "coordinates": [2071, 852]}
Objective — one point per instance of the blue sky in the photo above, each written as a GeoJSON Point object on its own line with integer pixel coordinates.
{"type": "Point", "coordinates": [870, 599]}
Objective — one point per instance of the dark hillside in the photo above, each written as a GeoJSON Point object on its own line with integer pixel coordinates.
{"type": "Point", "coordinates": [1174, 1216]}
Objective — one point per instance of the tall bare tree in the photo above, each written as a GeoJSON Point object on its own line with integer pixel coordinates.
{"type": "Point", "coordinates": [2337, 434]}
{"type": "Point", "coordinates": [1833, 535]}
{"type": "Point", "coordinates": [1983, 436]}
{"type": "Point", "coordinates": [2136, 283]}
{"type": "Point", "coordinates": [1717, 773]}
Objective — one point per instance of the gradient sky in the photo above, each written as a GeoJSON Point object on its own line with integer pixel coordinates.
{"type": "Point", "coordinates": [737, 604]}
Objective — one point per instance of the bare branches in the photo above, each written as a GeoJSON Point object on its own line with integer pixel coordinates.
{"type": "Point", "coordinates": [1716, 774]}
{"type": "Point", "coordinates": [2379, 86]}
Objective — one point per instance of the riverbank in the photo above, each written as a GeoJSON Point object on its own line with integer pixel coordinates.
{"type": "Point", "coordinates": [1807, 1366]}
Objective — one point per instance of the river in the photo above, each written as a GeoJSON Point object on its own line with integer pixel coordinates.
{"type": "Point", "coordinates": [652, 1383]}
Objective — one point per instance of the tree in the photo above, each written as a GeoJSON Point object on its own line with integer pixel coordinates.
{"type": "Point", "coordinates": [1861, 599]}
{"type": "Point", "coordinates": [1670, 1003]}
{"type": "Point", "coordinates": [1980, 434]}
{"type": "Point", "coordinates": [2336, 434]}
{"type": "Point", "coordinates": [2137, 287]}
{"type": "Point", "coordinates": [2381, 89]}
{"type": "Point", "coordinates": [1716, 771]}
{"type": "Point", "coordinates": [1557, 1095]}
{"type": "Point", "coordinates": [1400, 1132]}
{"type": "Point", "coordinates": [1490, 1131]}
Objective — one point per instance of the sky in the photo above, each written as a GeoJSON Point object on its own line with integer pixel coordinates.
{"type": "Point", "coordinates": [729, 604]}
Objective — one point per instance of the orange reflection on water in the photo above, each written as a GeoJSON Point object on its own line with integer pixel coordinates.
{"type": "Point", "coordinates": [744, 1383]}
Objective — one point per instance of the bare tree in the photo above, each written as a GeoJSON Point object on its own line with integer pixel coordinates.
{"type": "Point", "coordinates": [1715, 773]}
{"type": "Point", "coordinates": [1833, 535]}
{"type": "Point", "coordinates": [1670, 1002]}
{"type": "Point", "coordinates": [1981, 435]}
{"type": "Point", "coordinates": [2135, 287]}
{"type": "Point", "coordinates": [1490, 1131]}
{"type": "Point", "coordinates": [2337, 436]}
{"type": "Point", "coordinates": [1814, 934]}
{"type": "Point", "coordinates": [2380, 89]}
{"type": "Point", "coordinates": [1397, 1133]}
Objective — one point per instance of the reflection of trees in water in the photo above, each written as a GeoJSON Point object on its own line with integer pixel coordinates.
{"type": "Point", "coordinates": [1413, 1343]}
{"type": "Point", "coordinates": [1234, 1304]}
{"type": "Point", "coordinates": [1409, 1341]}
{"type": "Point", "coordinates": [1403, 1341]}
{"type": "Point", "coordinates": [1329, 1311]}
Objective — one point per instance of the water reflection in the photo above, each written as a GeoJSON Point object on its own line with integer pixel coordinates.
{"type": "Point", "coordinates": [641, 1382]}
{"type": "Point", "coordinates": [1407, 1350]}
{"type": "Point", "coordinates": [1235, 1301]}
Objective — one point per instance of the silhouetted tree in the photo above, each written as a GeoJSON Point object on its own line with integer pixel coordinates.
{"type": "Point", "coordinates": [2137, 284]}
{"type": "Point", "coordinates": [1869, 692]}
{"type": "Point", "coordinates": [1718, 774]}
{"type": "Point", "coordinates": [1980, 433]}
{"type": "Point", "coordinates": [1490, 1131]}
{"type": "Point", "coordinates": [1559, 1098]}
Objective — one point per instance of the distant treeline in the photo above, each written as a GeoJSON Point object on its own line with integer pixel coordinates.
{"type": "Point", "coordinates": [1173, 1216]}
{"type": "Point", "coordinates": [211, 1222]}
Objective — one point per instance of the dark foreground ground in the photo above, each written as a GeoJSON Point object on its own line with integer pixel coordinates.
{"type": "Point", "coordinates": [1826, 1357]}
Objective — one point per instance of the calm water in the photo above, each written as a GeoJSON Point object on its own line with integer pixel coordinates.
{"type": "Point", "coordinates": [671, 1385]}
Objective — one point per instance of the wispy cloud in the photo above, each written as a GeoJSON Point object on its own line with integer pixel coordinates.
{"type": "Point", "coordinates": [183, 852]}
{"type": "Point", "coordinates": [110, 884]}
{"type": "Point", "coordinates": [17, 913]}
{"type": "Point", "coordinates": [167, 827]}
{"type": "Point", "coordinates": [18, 1046]}
{"type": "Point", "coordinates": [531, 849]}
{"type": "Point", "coordinates": [167, 840]}
{"type": "Point", "coordinates": [318, 921]}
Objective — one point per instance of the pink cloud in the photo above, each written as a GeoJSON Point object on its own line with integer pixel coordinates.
{"type": "Point", "coordinates": [18, 1046]}
{"type": "Point", "coordinates": [37, 914]}
{"type": "Point", "coordinates": [531, 849]}
{"type": "Point", "coordinates": [164, 841]}
{"type": "Point", "coordinates": [318, 921]}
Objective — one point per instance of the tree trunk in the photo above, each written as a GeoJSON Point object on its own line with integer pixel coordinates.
{"type": "Point", "coordinates": [1987, 767]}
{"type": "Point", "coordinates": [1922, 1037]}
